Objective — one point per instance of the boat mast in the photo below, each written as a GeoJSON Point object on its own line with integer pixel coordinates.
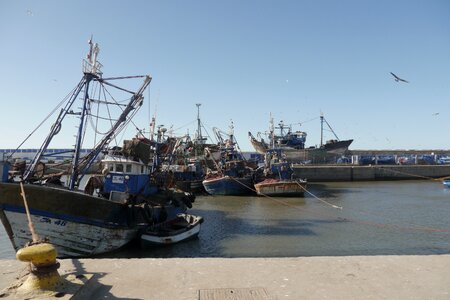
{"type": "Point", "coordinates": [321, 129]}
{"type": "Point", "coordinates": [271, 132]}
{"type": "Point", "coordinates": [199, 139]}
{"type": "Point", "coordinates": [134, 104]}
{"type": "Point", "coordinates": [322, 119]}
{"type": "Point", "coordinates": [91, 70]}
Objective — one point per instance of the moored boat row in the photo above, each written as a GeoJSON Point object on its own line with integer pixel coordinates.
{"type": "Point", "coordinates": [144, 188]}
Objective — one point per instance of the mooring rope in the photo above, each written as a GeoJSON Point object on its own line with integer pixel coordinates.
{"type": "Point", "coordinates": [30, 223]}
{"type": "Point", "coordinates": [321, 200]}
{"type": "Point", "coordinates": [284, 202]}
{"type": "Point", "coordinates": [406, 227]}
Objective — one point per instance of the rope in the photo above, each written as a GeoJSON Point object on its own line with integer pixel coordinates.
{"type": "Point", "coordinates": [284, 202]}
{"type": "Point", "coordinates": [321, 200]}
{"type": "Point", "coordinates": [267, 196]}
{"type": "Point", "coordinates": [42, 122]}
{"type": "Point", "coordinates": [407, 227]}
{"type": "Point", "coordinates": [30, 223]}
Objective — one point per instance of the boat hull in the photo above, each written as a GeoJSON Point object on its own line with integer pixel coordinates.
{"type": "Point", "coordinates": [71, 239]}
{"type": "Point", "coordinates": [282, 188]}
{"type": "Point", "coordinates": [79, 225]}
{"type": "Point", "coordinates": [327, 152]}
{"type": "Point", "coordinates": [337, 147]}
{"type": "Point", "coordinates": [192, 186]}
{"type": "Point", "coordinates": [228, 186]}
{"type": "Point", "coordinates": [189, 230]}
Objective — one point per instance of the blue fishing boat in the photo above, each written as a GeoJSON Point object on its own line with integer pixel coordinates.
{"type": "Point", "coordinates": [228, 185]}
{"type": "Point", "coordinates": [446, 182]}
{"type": "Point", "coordinates": [111, 210]}
{"type": "Point", "coordinates": [232, 175]}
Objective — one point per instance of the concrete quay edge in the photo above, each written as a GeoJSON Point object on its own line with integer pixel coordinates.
{"type": "Point", "coordinates": [340, 277]}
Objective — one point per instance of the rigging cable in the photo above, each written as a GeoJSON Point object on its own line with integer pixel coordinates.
{"type": "Point", "coordinates": [43, 121]}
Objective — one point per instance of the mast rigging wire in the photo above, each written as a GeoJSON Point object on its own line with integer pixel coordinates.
{"type": "Point", "coordinates": [43, 121]}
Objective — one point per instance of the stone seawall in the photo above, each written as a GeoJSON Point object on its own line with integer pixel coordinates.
{"type": "Point", "coordinates": [366, 173]}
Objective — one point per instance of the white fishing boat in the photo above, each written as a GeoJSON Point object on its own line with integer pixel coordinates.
{"type": "Point", "coordinates": [171, 232]}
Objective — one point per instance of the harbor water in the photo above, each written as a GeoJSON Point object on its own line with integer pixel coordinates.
{"type": "Point", "coordinates": [377, 218]}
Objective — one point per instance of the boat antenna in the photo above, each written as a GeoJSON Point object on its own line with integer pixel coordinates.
{"type": "Point", "coordinates": [153, 121]}
{"type": "Point", "coordinates": [272, 131]}
{"type": "Point", "coordinates": [321, 129]}
{"type": "Point", "coordinates": [199, 127]}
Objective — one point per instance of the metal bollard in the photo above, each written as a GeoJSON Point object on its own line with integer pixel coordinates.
{"type": "Point", "coordinates": [44, 268]}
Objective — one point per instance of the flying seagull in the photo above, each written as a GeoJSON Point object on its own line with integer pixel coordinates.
{"type": "Point", "coordinates": [398, 78]}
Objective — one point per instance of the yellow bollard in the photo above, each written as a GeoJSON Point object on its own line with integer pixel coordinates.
{"type": "Point", "coordinates": [44, 274]}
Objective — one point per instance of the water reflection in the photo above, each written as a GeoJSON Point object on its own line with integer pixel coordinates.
{"type": "Point", "coordinates": [377, 218]}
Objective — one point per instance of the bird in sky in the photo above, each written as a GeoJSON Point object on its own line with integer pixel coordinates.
{"type": "Point", "coordinates": [396, 78]}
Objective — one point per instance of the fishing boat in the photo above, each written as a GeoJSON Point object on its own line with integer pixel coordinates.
{"type": "Point", "coordinates": [182, 228]}
{"type": "Point", "coordinates": [446, 181]}
{"type": "Point", "coordinates": [232, 175]}
{"type": "Point", "coordinates": [111, 210]}
{"type": "Point", "coordinates": [279, 180]}
{"type": "Point", "coordinates": [170, 155]}
{"type": "Point", "coordinates": [293, 144]}
{"type": "Point", "coordinates": [188, 172]}
{"type": "Point", "coordinates": [226, 185]}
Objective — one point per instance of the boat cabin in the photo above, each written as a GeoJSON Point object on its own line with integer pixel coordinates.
{"type": "Point", "coordinates": [124, 175]}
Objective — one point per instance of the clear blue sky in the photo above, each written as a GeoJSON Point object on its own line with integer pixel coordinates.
{"type": "Point", "coordinates": [242, 60]}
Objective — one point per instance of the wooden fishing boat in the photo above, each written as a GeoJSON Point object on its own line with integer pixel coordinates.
{"type": "Point", "coordinates": [282, 188]}
{"type": "Point", "coordinates": [112, 209]}
{"type": "Point", "coordinates": [279, 179]}
{"type": "Point", "coordinates": [182, 228]}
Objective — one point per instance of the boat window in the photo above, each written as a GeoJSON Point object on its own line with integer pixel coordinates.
{"type": "Point", "coordinates": [119, 168]}
{"type": "Point", "coordinates": [111, 168]}
{"type": "Point", "coordinates": [142, 169]}
{"type": "Point", "coordinates": [128, 168]}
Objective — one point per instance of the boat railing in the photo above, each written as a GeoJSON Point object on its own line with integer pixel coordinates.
{"type": "Point", "coordinates": [89, 68]}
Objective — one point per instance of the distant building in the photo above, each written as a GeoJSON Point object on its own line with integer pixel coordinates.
{"type": "Point", "coordinates": [51, 155]}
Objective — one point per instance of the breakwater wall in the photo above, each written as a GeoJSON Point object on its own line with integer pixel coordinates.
{"type": "Point", "coordinates": [317, 173]}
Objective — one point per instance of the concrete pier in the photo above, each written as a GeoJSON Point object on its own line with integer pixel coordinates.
{"type": "Point", "coordinates": [317, 173]}
{"type": "Point", "coordinates": [353, 277]}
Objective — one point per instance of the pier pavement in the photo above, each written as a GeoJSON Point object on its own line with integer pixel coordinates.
{"type": "Point", "coordinates": [341, 277]}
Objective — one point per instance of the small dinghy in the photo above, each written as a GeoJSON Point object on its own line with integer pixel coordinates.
{"type": "Point", "coordinates": [183, 227]}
